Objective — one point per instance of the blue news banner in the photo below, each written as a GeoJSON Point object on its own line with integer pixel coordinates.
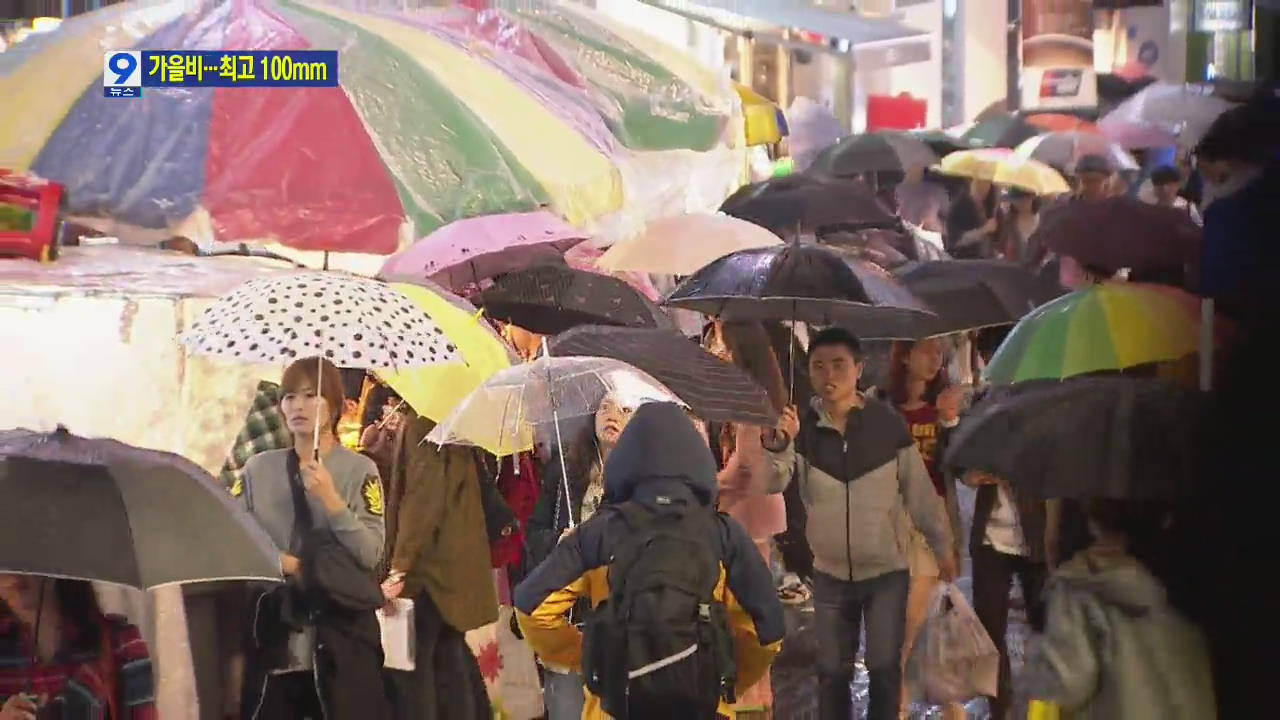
{"type": "Point", "coordinates": [126, 72]}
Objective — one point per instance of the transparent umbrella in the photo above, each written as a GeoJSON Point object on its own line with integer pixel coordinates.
{"type": "Point", "coordinates": [501, 415]}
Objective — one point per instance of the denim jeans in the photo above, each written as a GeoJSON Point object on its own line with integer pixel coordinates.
{"type": "Point", "coordinates": [839, 607]}
{"type": "Point", "coordinates": [563, 694]}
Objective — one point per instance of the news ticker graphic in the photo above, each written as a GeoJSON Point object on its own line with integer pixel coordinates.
{"type": "Point", "coordinates": [126, 72]}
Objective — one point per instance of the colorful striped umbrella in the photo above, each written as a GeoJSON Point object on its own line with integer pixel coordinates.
{"type": "Point", "coordinates": [441, 115]}
{"type": "Point", "coordinates": [1107, 326]}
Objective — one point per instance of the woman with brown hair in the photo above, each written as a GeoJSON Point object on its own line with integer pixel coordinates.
{"type": "Point", "coordinates": [740, 450]}
{"type": "Point", "coordinates": [922, 393]}
{"type": "Point", "coordinates": [317, 483]}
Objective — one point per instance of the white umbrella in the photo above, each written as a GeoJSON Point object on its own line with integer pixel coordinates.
{"type": "Point", "coordinates": [683, 244]}
{"type": "Point", "coordinates": [1182, 112]}
{"type": "Point", "coordinates": [1064, 150]}
{"type": "Point", "coordinates": [351, 321]}
{"type": "Point", "coordinates": [501, 414]}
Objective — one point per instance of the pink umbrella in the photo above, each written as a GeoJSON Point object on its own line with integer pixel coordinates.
{"type": "Point", "coordinates": [584, 257]}
{"type": "Point", "coordinates": [465, 252]}
{"type": "Point", "coordinates": [1134, 135]}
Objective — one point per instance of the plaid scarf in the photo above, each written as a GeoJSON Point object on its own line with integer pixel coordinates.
{"type": "Point", "coordinates": [264, 429]}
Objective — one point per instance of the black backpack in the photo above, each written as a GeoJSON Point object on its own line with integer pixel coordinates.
{"type": "Point", "coordinates": [660, 646]}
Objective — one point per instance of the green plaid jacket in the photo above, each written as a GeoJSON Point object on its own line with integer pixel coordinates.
{"type": "Point", "coordinates": [264, 429]}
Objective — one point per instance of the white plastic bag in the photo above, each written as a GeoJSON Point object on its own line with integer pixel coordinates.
{"type": "Point", "coordinates": [521, 687]}
{"type": "Point", "coordinates": [953, 659]}
{"type": "Point", "coordinates": [398, 636]}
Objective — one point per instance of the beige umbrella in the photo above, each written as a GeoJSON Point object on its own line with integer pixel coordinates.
{"type": "Point", "coordinates": [683, 244]}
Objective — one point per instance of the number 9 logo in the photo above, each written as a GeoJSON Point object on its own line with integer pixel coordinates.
{"type": "Point", "coordinates": [122, 69]}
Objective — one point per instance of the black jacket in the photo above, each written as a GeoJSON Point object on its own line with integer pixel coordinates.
{"type": "Point", "coordinates": [548, 521]}
{"type": "Point", "coordinates": [660, 462]}
{"type": "Point", "coordinates": [339, 598]}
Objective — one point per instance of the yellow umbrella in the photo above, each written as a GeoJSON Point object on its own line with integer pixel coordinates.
{"type": "Point", "coordinates": [435, 390]}
{"type": "Point", "coordinates": [1004, 167]}
{"type": "Point", "coordinates": [761, 116]}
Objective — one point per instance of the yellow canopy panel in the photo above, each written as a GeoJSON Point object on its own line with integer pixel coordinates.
{"type": "Point", "coordinates": [760, 115]}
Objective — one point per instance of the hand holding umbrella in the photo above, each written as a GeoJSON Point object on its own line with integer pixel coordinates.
{"type": "Point", "coordinates": [317, 481]}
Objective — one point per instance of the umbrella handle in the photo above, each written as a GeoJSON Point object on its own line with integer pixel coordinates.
{"type": "Point", "coordinates": [1206, 344]}
{"type": "Point", "coordinates": [35, 637]}
{"type": "Point", "coordinates": [555, 418]}
{"type": "Point", "coordinates": [791, 355]}
{"type": "Point", "coordinates": [315, 439]}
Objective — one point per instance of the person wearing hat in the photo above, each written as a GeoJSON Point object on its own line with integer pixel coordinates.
{"type": "Point", "coordinates": [1094, 175]}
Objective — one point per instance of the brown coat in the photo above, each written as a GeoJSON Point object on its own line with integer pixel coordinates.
{"type": "Point", "coordinates": [441, 543]}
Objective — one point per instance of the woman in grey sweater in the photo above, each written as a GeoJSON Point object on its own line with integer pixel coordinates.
{"type": "Point", "coordinates": [341, 491]}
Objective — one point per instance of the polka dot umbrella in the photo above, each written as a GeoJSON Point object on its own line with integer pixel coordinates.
{"type": "Point", "coordinates": [351, 321]}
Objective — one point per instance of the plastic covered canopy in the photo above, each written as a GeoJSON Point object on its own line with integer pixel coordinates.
{"type": "Point", "coordinates": [441, 114]}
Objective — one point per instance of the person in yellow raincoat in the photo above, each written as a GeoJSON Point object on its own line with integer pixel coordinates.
{"type": "Point", "coordinates": [661, 460]}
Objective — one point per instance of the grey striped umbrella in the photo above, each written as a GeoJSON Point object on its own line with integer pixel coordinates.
{"type": "Point", "coordinates": [714, 389]}
{"type": "Point", "coordinates": [103, 510]}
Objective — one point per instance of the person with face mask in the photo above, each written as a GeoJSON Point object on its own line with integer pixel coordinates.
{"type": "Point", "coordinates": [860, 472]}
{"type": "Point", "coordinates": [1239, 159]}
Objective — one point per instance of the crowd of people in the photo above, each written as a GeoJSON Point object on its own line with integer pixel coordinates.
{"type": "Point", "coordinates": [845, 503]}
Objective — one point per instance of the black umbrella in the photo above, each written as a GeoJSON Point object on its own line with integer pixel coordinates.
{"type": "Point", "coordinates": [807, 283]}
{"type": "Point", "coordinates": [551, 299]}
{"type": "Point", "coordinates": [874, 152]}
{"type": "Point", "coordinates": [103, 510]}
{"type": "Point", "coordinates": [975, 294]}
{"type": "Point", "coordinates": [1123, 232]}
{"type": "Point", "coordinates": [1089, 437]}
{"type": "Point", "coordinates": [714, 389]}
{"type": "Point", "coordinates": [938, 141]}
{"type": "Point", "coordinates": [802, 202]}
{"type": "Point", "coordinates": [999, 129]}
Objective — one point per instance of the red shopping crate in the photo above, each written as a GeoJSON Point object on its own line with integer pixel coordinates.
{"type": "Point", "coordinates": [30, 221]}
{"type": "Point", "coordinates": [904, 112]}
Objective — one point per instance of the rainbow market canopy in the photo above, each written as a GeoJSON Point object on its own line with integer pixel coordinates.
{"type": "Point", "coordinates": [440, 114]}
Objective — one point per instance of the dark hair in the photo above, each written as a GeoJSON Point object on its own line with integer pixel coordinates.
{"type": "Point", "coordinates": [1165, 174]}
{"type": "Point", "coordinates": [79, 603]}
{"type": "Point", "coordinates": [379, 396]}
{"type": "Point", "coordinates": [1125, 517]}
{"type": "Point", "coordinates": [79, 606]}
{"type": "Point", "coordinates": [837, 336]}
{"type": "Point", "coordinates": [352, 382]}
{"type": "Point", "coordinates": [580, 453]}
{"type": "Point", "coordinates": [898, 354]}
{"type": "Point", "coordinates": [321, 374]}
{"type": "Point", "coordinates": [751, 349]}
{"type": "Point", "coordinates": [1243, 133]}
{"type": "Point", "coordinates": [989, 340]}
